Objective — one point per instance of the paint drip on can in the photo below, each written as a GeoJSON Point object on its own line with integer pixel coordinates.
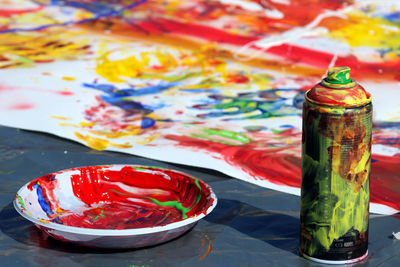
{"type": "Point", "coordinates": [336, 160]}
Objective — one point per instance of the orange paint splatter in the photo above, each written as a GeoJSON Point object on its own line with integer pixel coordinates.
{"type": "Point", "coordinates": [237, 78]}
{"type": "Point", "coordinates": [207, 252]}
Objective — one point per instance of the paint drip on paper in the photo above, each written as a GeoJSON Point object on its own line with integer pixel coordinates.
{"type": "Point", "coordinates": [215, 84]}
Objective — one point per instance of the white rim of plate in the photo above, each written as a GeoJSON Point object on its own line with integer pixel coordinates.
{"type": "Point", "coordinates": [117, 232]}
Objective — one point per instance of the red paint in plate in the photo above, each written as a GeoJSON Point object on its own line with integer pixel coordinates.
{"type": "Point", "coordinates": [115, 206]}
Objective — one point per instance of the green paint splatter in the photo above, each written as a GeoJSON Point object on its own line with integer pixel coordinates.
{"type": "Point", "coordinates": [147, 166]}
{"type": "Point", "coordinates": [25, 60]}
{"type": "Point", "coordinates": [229, 137]}
{"type": "Point", "coordinates": [140, 169]}
{"type": "Point", "coordinates": [275, 131]}
{"type": "Point", "coordinates": [170, 78]}
{"type": "Point", "coordinates": [21, 202]}
{"type": "Point", "coordinates": [254, 128]}
{"type": "Point", "coordinates": [100, 215]}
{"type": "Point", "coordinates": [196, 181]}
{"type": "Point", "coordinates": [199, 196]}
{"type": "Point", "coordinates": [175, 204]}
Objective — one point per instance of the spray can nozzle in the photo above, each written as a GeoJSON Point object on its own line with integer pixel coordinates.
{"type": "Point", "coordinates": [338, 78]}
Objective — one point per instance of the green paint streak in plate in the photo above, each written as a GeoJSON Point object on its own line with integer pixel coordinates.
{"type": "Point", "coordinates": [21, 202]}
{"type": "Point", "coordinates": [175, 204]}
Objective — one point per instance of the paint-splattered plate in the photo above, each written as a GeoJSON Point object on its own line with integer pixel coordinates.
{"type": "Point", "coordinates": [115, 206]}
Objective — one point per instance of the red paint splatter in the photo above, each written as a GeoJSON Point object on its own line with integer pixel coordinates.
{"type": "Point", "coordinates": [44, 60]}
{"type": "Point", "coordinates": [157, 67]}
{"type": "Point", "coordinates": [11, 12]}
{"type": "Point", "coordinates": [159, 26]}
{"type": "Point", "coordinates": [66, 93]}
{"type": "Point", "coordinates": [276, 165]}
{"type": "Point", "coordinates": [122, 199]}
{"type": "Point", "coordinates": [237, 78]}
{"type": "Point", "coordinates": [290, 53]}
{"type": "Point", "coordinates": [279, 166]}
{"type": "Point", "coordinates": [296, 13]}
{"type": "Point", "coordinates": [22, 106]}
{"type": "Point", "coordinates": [385, 180]}
{"type": "Point", "coordinates": [4, 88]}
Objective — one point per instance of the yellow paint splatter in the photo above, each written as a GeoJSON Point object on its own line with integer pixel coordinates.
{"type": "Point", "coordinates": [99, 143]}
{"type": "Point", "coordinates": [93, 142]}
{"type": "Point", "coordinates": [68, 78]}
{"type": "Point", "coordinates": [44, 221]}
{"type": "Point", "coordinates": [124, 145]}
{"type": "Point", "coordinates": [60, 117]}
{"type": "Point", "coordinates": [68, 124]}
{"type": "Point", "coordinates": [161, 64]}
{"type": "Point", "coordinates": [87, 124]}
{"type": "Point", "coordinates": [134, 66]}
{"type": "Point", "coordinates": [135, 130]}
{"type": "Point", "coordinates": [148, 139]}
{"type": "Point", "coordinates": [359, 30]}
{"type": "Point", "coordinates": [25, 50]}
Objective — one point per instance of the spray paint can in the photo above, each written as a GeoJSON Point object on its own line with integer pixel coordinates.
{"type": "Point", "coordinates": [336, 159]}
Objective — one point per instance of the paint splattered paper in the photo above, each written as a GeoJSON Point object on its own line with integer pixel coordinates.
{"type": "Point", "coordinates": [215, 84]}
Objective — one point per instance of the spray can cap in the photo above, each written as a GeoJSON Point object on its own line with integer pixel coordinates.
{"type": "Point", "coordinates": [338, 90]}
{"type": "Point", "coordinates": [338, 78]}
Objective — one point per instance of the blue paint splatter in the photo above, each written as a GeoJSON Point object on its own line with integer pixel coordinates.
{"type": "Point", "coordinates": [386, 125]}
{"type": "Point", "coordinates": [93, 7]}
{"type": "Point", "coordinates": [200, 90]}
{"type": "Point", "coordinates": [124, 99]}
{"type": "Point", "coordinates": [126, 92]}
{"type": "Point", "coordinates": [267, 104]}
{"type": "Point", "coordinates": [287, 126]}
{"type": "Point", "coordinates": [44, 203]}
{"type": "Point", "coordinates": [298, 100]}
{"type": "Point", "coordinates": [393, 17]}
{"type": "Point", "coordinates": [147, 122]}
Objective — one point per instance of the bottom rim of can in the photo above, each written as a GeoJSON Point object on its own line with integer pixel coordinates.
{"type": "Point", "coordinates": [336, 262]}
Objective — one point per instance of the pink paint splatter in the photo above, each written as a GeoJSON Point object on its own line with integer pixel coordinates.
{"type": "Point", "coordinates": [4, 88]}
{"type": "Point", "coordinates": [21, 106]}
{"type": "Point", "coordinates": [66, 93]}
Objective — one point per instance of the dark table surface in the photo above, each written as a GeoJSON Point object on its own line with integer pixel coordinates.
{"type": "Point", "coordinates": [251, 225]}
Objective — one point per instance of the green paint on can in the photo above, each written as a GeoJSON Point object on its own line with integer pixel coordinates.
{"type": "Point", "coordinates": [336, 159]}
